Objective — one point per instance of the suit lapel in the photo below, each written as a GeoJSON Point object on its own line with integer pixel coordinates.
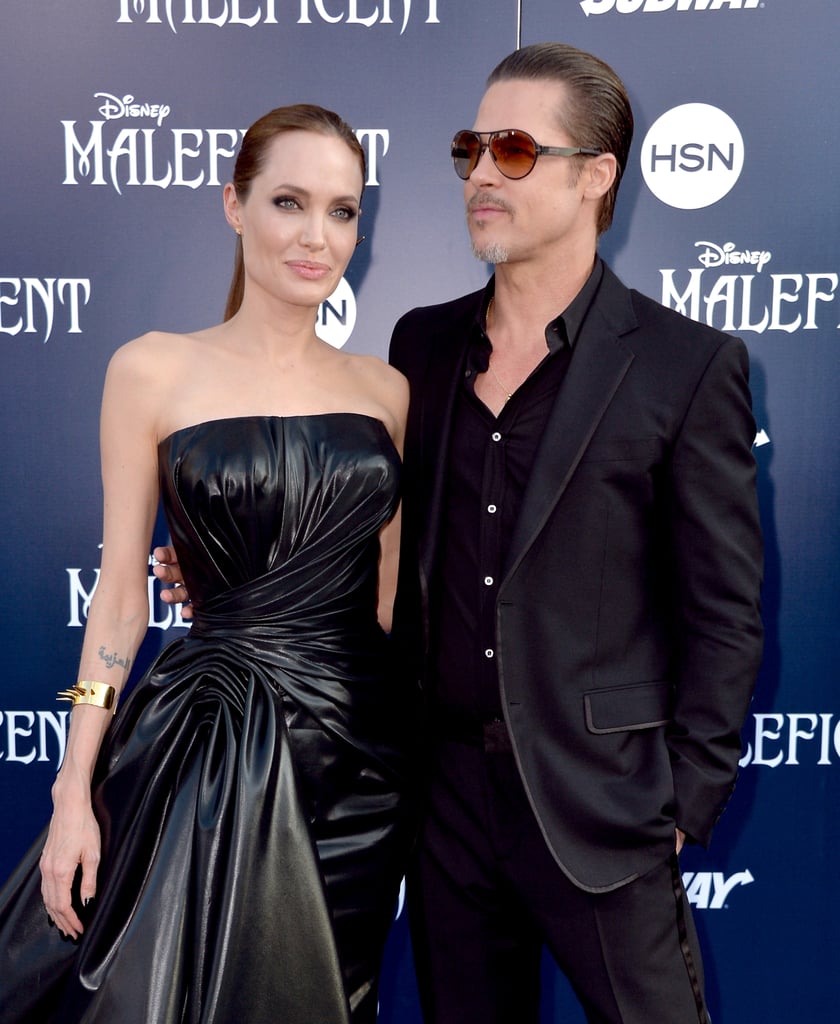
{"type": "Point", "coordinates": [598, 365]}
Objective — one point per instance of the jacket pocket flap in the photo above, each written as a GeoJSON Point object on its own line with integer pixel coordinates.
{"type": "Point", "coordinates": [624, 708]}
{"type": "Point", "coordinates": [627, 449]}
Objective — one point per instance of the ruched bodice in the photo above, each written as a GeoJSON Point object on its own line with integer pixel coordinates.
{"type": "Point", "coordinates": [276, 523]}
{"type": "Point", "coordinates": [306, 494]}
{"type": "Point", "coordinates": [251, 791]}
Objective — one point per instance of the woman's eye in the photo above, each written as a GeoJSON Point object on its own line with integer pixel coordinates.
{"type": "Point", "coordinates": [345, 213]}
{"type": "Point", "coordinates": [285, 202]}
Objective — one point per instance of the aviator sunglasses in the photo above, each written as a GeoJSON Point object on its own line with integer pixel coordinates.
{"type": "Point", "coordinates": [514, 151]}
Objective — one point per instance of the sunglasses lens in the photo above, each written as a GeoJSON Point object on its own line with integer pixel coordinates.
{"type": "Point", "coordinates": [466, 149]}
{"type": "Point", "coordinates": [515, 153]}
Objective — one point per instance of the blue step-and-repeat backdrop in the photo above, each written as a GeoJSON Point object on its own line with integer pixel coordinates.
{"type": "Point", "coordinates": [118, 123]}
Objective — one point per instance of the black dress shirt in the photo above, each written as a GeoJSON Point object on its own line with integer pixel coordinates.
{"type": "Point", "coordinates": [489, 463]}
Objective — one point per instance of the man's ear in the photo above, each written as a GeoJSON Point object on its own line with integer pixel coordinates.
{"type": "Point", "coordinates": [601, 172]}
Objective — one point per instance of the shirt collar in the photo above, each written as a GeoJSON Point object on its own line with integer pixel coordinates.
{"type": "Point", "coordinates": [563, 329]}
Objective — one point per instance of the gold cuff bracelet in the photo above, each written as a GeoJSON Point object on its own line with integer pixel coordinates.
{"type": "Point", "coordinates": [89, 691]}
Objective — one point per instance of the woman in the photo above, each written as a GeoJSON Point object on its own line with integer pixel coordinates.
{"type": "Point", "coordinates": [248, 800]}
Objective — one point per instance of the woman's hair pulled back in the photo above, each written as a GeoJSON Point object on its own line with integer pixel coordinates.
{"type": "Point", "coordinates": [304, 117]}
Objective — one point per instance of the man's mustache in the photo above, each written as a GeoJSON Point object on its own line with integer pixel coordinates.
{"type": "Point", "coordinates": [487, 199]}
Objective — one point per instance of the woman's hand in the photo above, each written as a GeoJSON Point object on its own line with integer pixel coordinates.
{"type": "Point", "coordinates": [73, 840]}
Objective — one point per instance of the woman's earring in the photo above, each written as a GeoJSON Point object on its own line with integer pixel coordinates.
{"type": "Point", "coordinates": [360, 239]}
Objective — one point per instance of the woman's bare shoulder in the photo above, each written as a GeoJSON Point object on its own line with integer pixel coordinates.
{"type": "Point", "coordinates": [148, 375]}
{"type": "Point", "coordinates": [156, 355]}
{"type": "Point", "coordinates": [157, 345]}
{"type": "Point", "coordinates": [380, 375]}
{"type": "Point", "coordinates": [387, 390]}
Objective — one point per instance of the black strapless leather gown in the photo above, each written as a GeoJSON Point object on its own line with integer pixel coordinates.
{"type": "Point", "coordinates": [251, 791]}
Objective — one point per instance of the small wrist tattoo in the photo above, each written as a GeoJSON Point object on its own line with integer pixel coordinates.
{"type": "Point", "coordinates": [111, 658]}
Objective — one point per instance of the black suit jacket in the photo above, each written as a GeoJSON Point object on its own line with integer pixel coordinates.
{"type": "Point", "coordinates": [628, 620]}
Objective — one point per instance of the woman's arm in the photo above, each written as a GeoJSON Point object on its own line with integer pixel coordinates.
{"type": "Point", "coordinates": [389, 537]}
{"type": "Point", "coordinates": [389, 561]}
{"type": "Point", "coordinates": [116, 624]}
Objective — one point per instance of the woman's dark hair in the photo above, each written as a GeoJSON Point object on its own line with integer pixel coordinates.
{"type": "Point", "coordinates": [252, 154]}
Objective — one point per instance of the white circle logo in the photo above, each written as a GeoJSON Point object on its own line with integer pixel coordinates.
{"type": "Point", "coordinates": [337, 316]}
{"type": "Point", "coordinates": [692, 156]}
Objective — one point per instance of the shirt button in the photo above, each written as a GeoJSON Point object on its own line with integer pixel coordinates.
{"type": "Point", "coordinates": [488, 581]}
{"type": "Point", "coordinates": [488, 653]}
{"type": "Point", "coordinates": [496, 435]}
{"type": "Point", "coordinates": [491, 509]}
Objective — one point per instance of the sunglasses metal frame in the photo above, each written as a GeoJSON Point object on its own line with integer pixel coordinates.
{"type": "Point", "coordinates": [538, 150]}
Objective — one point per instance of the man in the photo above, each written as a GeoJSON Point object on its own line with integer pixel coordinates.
{"type": "Point", "coordinates": [580, 499]}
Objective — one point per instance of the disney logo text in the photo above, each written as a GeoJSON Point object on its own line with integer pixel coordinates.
{"type": "Point", "coordinates": [114, 108]}
{"type": "Point", "coordinates": [720, 255]}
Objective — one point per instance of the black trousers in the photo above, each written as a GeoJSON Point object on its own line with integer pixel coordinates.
{"type": "Point", "coordinates": [485, 896]}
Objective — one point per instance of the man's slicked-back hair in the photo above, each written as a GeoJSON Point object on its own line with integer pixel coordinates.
{"type": "Point", "coordinates": [597, 112]}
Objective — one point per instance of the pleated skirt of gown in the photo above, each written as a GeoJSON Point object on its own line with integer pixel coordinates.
{"type": "Point", "coordinates": [252, 791]}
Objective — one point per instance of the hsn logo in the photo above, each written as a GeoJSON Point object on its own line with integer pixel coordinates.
{"type": "Point", "coordinates": [707, 890]}
{"type": "Point", "coordinates": [692, 156]}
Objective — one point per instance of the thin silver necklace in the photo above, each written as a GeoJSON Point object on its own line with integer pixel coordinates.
{"type": "Point", "coordinates": [508, 394]}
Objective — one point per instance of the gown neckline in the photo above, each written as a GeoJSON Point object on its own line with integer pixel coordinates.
{"type": "Point", "coordinates": [274, 417]}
